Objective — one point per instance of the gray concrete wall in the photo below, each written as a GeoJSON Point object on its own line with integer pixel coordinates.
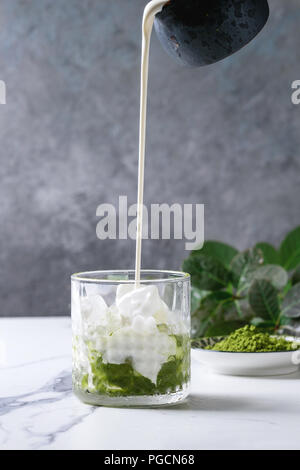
{"type": "Point", "coordinates": [226, 135]}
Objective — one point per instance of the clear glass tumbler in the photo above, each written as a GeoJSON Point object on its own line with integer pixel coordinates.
{"type": "Point", "coordinates": [131, 344]}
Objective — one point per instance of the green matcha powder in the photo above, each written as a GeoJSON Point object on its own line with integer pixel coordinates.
{"type": "Point", "coordinates": [250, 339]}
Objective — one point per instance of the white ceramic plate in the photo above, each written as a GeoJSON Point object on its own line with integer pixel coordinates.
{"type": "Point", "coordinates": [247, 364]}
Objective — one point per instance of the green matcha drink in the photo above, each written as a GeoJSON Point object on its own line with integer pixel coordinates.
{"type": "Point", "coordinates": [131, 345]}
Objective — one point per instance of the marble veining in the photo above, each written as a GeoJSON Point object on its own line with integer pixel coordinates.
{"type": "Point", "coordinates": [39, 411]}
{"type": "Point", "coordinates": [33, 407]}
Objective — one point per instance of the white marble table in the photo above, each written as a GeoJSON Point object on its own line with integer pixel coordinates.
{"type": "Point", "coordinates": [38, 410]}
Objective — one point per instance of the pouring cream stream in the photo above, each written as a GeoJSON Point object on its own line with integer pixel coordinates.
{"type": "Point", "coordinates": [151, 9]}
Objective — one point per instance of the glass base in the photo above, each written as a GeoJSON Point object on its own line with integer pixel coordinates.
{"type": "Point", "coordinates": [133, 401]}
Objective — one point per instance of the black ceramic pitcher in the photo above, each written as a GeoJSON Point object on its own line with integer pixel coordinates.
{"type": "Point", "coordinates": [201, 32]}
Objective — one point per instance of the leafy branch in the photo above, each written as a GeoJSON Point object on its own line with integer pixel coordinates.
{"type": "Point", "coordinates": [231, 288]}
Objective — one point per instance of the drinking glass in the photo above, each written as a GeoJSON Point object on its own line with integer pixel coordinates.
{"type": "Point", "coordinates": [131, 343]}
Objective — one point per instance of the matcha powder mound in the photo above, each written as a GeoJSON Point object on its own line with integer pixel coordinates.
{"type": "Point", "coordinates": [250, 339]}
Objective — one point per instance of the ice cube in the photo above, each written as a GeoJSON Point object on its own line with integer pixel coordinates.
{"type": "Point", "coordinates": [94, 310]}
{"type": "Point", "coordinates": [123, 289]}
{"type": "Point", "coordinates": [150, 325]}
{"type": "Point", "coordinates": [144, 301]}
{"type": "Point", "coordinates": [144, 326]}
{"type": "Point", "coordinates": [114, 319]}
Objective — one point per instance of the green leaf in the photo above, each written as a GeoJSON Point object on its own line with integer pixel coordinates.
{"type": "Point", "coordinates": [290, 250]}
{"type": "Point", "coordinates": [196, 297]}
{"type": "Point", "coordinates": [219, 296]}
{"type": "Point", "coordinates": [207, 273]}
{"type": "Point", "coordinates": [270, 254]}
{"type": "Point", "coordinates": [296, 276]}
{"type": "Point", "coordinates": [291, 303]}
{"type": "Point", "coordinates": [244, 264]}
{"type": "Point", "coordinates": [218, 250]}
{"type": "Point", "coordinates": [284, 321]}
{"type": "Point", "coordinates": [214, 304]}
{"type": "Point", "coordinates": [224, 328]}
{"type": "Point", "coordinates": [263, 299]}
{"type": "Point", "coordinates": [261, 323]}
{"type": "Point", "coordinates": [212, 308]}
{"type": "Point", "coordinates": [277, 276]}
